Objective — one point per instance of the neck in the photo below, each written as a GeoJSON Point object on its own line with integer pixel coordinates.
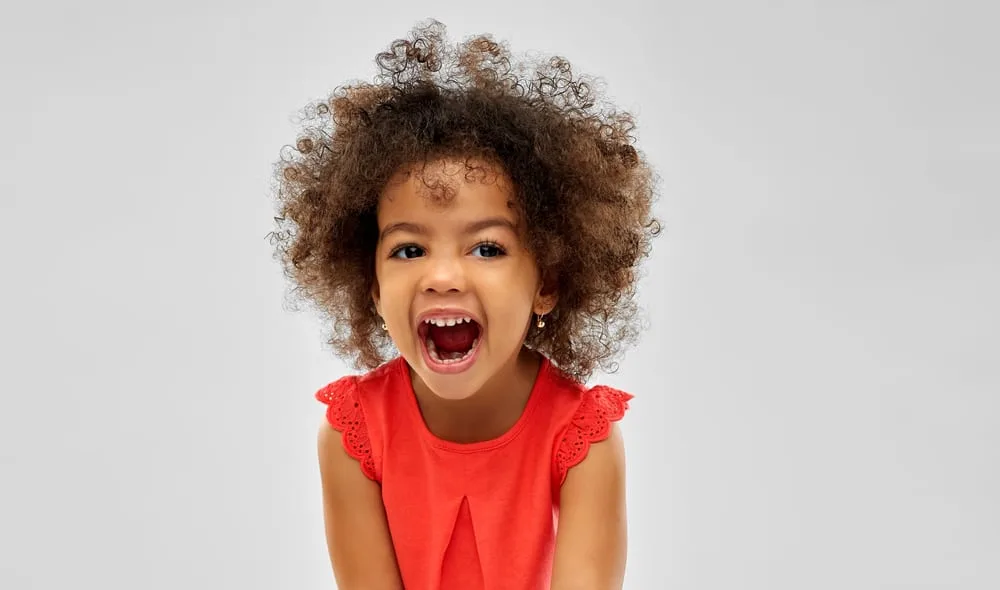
{"type": "Point", "coordinates": [488, 413]}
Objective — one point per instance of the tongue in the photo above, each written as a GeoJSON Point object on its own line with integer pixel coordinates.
{"type": "Point", "coordinates": [457, 338]}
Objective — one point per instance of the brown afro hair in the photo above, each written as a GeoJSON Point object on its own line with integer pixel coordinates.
{"type": "Point", "coordinates": [583, 192]}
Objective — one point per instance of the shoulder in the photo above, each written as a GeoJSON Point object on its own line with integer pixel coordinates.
{"type": "Point", "coordinates": [353, 405]}
{"type": "Point", "coordinates": [598, 477]}
{"type": "Point", "coordinates": [593, 414]}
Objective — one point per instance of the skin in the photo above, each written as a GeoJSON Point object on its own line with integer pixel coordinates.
{"type": "Point", "coordinates": [467, 253]}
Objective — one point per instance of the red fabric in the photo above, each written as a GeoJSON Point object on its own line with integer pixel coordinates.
{"type": "Point", "coordinates": [478, 516]}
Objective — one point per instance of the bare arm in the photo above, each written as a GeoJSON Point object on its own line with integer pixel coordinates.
{"type": "Point", "coordinates": [591, 541]}
{"type": "Point", "coordinates": [357, 532]}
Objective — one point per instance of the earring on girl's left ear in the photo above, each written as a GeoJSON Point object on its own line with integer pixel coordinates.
{"type": "Point", "coordinates": [541, 321]}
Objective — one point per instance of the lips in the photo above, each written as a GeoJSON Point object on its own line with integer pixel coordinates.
{"type": "Point", "coordinates": [442, 319]}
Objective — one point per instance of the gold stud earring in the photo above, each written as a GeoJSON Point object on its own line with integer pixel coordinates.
{"type": "Point", "coordinates": [384, 329]}
{"type": "Point", "coordinates": [541, 321]}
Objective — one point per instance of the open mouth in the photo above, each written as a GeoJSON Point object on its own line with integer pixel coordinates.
{"type": "Point", "coordinates": [450, 342]}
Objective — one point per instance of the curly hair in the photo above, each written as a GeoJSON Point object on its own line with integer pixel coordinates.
{"type": "Point", "coordinates": [583, 192]}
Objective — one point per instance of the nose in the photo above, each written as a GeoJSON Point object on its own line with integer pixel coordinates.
{"type": "Point", "coordinates": [443, 274]}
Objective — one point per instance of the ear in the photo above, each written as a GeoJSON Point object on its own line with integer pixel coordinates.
{"type": "Point", "coordinates": [546, 297]}
{"type": "Point", "coordinates": [376, 297]}
{"type": "Point", "coordinates": [545, 305]}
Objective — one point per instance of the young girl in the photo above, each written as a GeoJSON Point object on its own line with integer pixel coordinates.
{"type": "Point", "coordinates": [473, 229]}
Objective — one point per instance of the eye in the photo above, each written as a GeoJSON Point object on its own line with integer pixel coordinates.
{"type": "Point", "coordinates": [407, 251]}
{"type": "Point", "coordinates": [488, 250]}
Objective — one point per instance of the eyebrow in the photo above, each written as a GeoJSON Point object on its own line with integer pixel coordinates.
{"type": "Point", "coordinates": [471, 228]}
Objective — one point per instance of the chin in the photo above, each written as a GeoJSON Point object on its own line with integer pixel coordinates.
{"type": "Point", "coordinates": [449, 385]}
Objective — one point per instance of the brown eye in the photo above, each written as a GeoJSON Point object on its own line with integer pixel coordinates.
{"type": "Point", "coordinates": [407, 251]}
{"type": "Point", "coordinates": [488, 250]}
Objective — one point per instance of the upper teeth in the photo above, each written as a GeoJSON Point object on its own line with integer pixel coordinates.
{"type": "Point", "coordinates": [442, 322]}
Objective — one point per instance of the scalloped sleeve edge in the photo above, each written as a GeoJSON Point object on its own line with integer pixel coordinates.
{"type": "Point", "coordinates": [599, 407]}
{"type": "Point", "coordinates": [345, 415]}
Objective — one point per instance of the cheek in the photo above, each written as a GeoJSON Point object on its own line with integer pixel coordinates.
{"type": "Point", "coordinates": [391, 287]}
{"type": "Point", "coordinates": [511, 296]}
{"type": "Point", "coordinates": [391, 291]}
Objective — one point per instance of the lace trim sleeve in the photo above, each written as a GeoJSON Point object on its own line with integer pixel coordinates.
{"type": "Point", "coordinates": [599, 407]}
{"type": "Point", "coordinates": [345, 415]}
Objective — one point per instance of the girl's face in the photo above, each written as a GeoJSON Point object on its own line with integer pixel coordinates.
{"type": "Point", "coordinates": [455, 286]}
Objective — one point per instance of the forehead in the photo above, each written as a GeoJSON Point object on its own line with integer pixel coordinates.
{"type": "Point", "coordinates": [447, 190]}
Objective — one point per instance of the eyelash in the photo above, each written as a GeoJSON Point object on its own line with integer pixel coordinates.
{"type": "Point", "coordinates": [490, 243]}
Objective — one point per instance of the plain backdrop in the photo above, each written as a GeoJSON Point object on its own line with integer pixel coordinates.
{"type": "Point", "coordinates": [817, 394]}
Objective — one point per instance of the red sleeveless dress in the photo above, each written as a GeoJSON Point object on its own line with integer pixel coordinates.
{"type": "Point", "coordinates": [476, 516]}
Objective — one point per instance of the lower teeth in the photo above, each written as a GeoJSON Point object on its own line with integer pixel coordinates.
{"type": "Point", "coordinates": [449, 357]}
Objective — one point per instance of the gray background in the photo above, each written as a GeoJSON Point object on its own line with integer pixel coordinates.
{"type": "Point", "coordinates": [817, 393]}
